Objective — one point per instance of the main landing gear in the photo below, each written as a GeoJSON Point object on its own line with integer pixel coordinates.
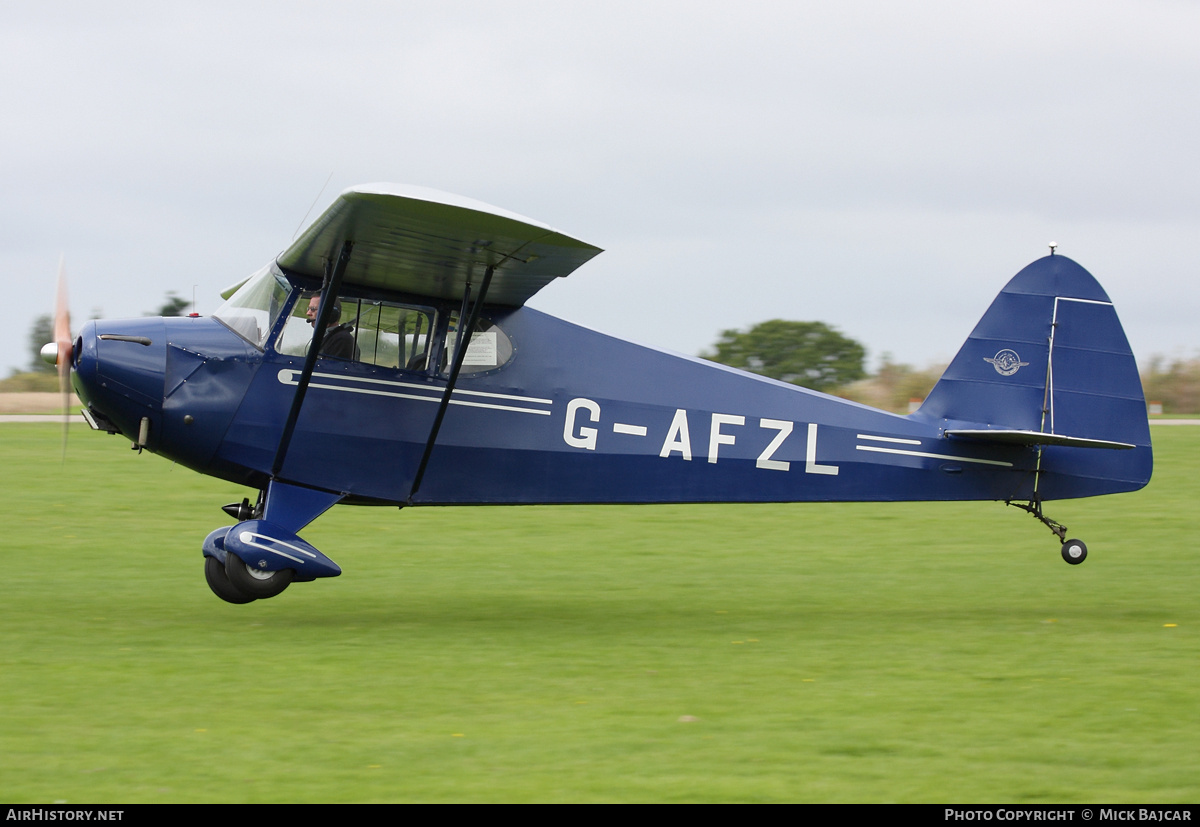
{"type": "Point", "coordinates": [250, 584]}
{"type": "Point", "coordinates": [259, 583]}
{"type": "Point", "coordinates": [218, 581]}
{"type": "Point", "coordinates": [258, 558]}
{"type": "Point", "coordinates": [255, 560]}
{"type": "Point", "coordinates": [1073, 551]}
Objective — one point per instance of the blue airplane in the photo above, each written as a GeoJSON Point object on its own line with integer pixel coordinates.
{"type": "Point", "coordinates": [336, 375]}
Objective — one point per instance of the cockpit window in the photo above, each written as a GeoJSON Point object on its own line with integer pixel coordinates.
{"type": "Point", "coordinates": [385, 334]}
{"type": "Point", "coordinates": [252, 310]}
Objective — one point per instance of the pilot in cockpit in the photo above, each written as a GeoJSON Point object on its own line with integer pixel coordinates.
{"type": "Point", "coordinates": [339, 338]}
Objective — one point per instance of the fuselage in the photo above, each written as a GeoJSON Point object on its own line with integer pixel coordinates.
{"type": "Point", "coordinates": [566, 415]}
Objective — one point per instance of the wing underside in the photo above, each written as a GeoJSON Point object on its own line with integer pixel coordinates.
{"type": "Point", "coordinates": [428, 243]}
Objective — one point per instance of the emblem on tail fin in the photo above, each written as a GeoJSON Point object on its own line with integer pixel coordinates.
{"type": "Point", "coordinates": [1006, 362]}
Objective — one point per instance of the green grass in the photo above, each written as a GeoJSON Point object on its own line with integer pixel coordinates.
{"type": "Point", "coordinates": [897, 652]}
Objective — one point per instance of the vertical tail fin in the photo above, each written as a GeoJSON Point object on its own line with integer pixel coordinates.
{"type": "Point", "coordinates": [1050, 356]}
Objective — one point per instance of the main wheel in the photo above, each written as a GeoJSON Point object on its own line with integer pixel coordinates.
{"type": "Point", "coordinates": [1074, 552]}
{"type": "Point", "coordinates": [218, 581]}
{"type": "Point", "coordinates": [257, 582]}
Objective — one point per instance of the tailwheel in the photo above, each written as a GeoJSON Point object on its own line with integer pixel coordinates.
{"type": "Point", "coordinates": [259, 583]}
{"type": "Point", "coordinates": [1074, 552]}
{"type": "Point", "coordinates": [218, 581]}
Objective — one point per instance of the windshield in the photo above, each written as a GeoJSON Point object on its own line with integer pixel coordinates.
{"type": "Point", "coordinates": [252, 310]}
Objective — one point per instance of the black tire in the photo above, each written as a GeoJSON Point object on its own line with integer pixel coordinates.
{"type": "Point", "coordinates": [218, 581]}
{"type": "Point", "coordinates": [251, 581]}
{"type": "Point", "coordinates": [1074, 552]}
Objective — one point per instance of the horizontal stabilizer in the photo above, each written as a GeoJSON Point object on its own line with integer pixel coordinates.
{"type": "Point", "coordinates": [1036, 438]}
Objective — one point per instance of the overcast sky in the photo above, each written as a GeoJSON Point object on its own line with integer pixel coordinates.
{"type": "Point", "coordinates": [881, 166]}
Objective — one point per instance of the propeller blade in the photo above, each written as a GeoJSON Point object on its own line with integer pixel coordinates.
{"type": "Point", "coordinates": [62, 341]}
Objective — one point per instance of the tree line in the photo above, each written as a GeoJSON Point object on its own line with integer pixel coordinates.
{"type": "Point", "coordinates": [816, 356]}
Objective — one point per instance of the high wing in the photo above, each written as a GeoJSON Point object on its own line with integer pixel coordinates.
{"type": "Point", "coordinates": [430, 243]}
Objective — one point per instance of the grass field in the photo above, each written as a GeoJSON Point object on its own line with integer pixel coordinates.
{"type": "Point", "coordinates": [900, 652]}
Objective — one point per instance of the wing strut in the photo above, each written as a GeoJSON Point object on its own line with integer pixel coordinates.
{"type": "Point", "coordinates": [333, 283]}
{"type": "Point", "coordinates": [460, 352]}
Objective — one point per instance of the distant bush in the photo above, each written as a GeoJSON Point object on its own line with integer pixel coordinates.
{"type": "Point", "coordinates": [1175, 384]}
{"type": "Point", "coordinates": [892, 386]}
{"type": "Point", "coordinates": [30, 383]}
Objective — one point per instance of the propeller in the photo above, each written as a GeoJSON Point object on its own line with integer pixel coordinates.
{"type": "Point", "coordinates": [58, 352]}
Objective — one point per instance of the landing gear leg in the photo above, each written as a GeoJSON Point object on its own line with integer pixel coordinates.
{"type": "Point", "coordinates": [1073, 551]}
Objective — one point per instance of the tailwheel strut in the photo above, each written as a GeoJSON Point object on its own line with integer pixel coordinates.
{"type": "Point", "coordinates": [1073, 551]}
{"type": "Point", "coordinates": [1034, 507]}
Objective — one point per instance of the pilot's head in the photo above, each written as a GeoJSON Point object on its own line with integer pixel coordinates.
{"type": "Point", "coordinates": [314, 306]}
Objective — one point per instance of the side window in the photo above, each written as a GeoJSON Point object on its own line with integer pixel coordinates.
{"type": "Point", "coordinates": [391, 335]}
{"type": "Point", "coordinates": [489, 348]}
{"type": "Point", "coordinates": [385, 334]}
